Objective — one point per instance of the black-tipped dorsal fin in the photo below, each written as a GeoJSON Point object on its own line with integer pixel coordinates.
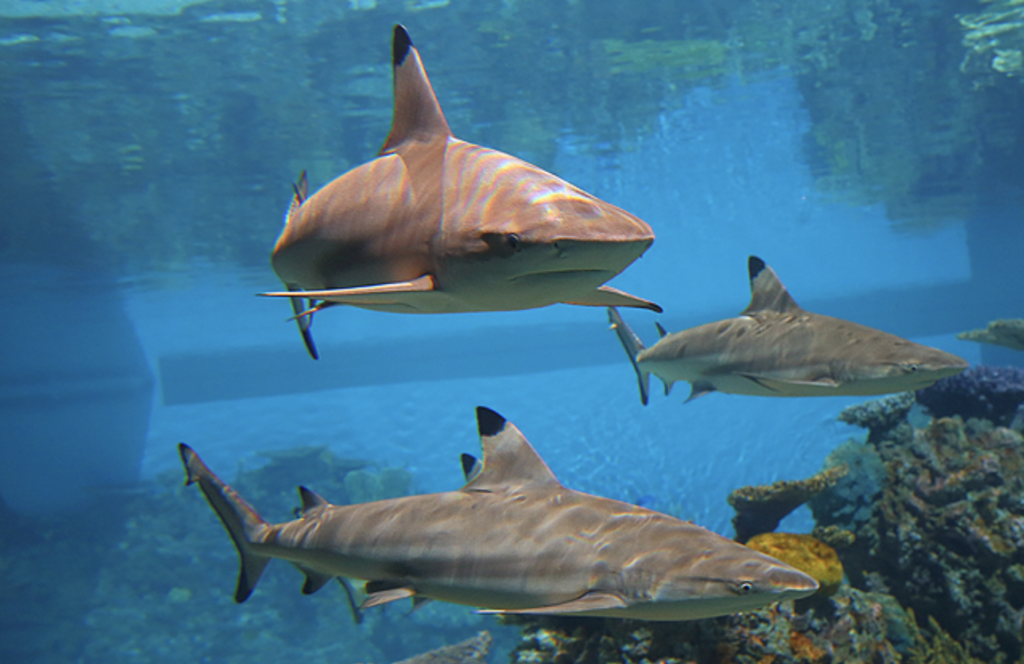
{"type": "Point", "coordinates": [509, 459]}
{"type": "Point", "coordinates": [418, 114]}
{"type": "Point", "coordinates": [767, 292]}
{"type": "Point", "coordinates": [471, 466]}
{"type": "Point", "coordinates": [311, 499]}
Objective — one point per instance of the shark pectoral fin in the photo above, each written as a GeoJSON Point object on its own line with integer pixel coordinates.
{"type": "Point", "coordinates": [314, 581]}
{"type": "Point", "coordinates": [699, 389]}
{"type": "Point", "coordinates": [592, 601]}
{"type": "Point", "coordinates": [606, 296]}
{"type": "Point", "coordinates": [780, 385]}
{"type": "Point", "coordinates": [361, 295]}
{"type": "Point", "coordinates": [385, 596]}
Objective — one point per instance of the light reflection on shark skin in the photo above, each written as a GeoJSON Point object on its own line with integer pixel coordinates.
{"type": "Point", "coordinates": [774, 348]}
{"type": "Point", "coordinates": [512, 540]}
{"type": "Point", "coordinates": [438, 225]}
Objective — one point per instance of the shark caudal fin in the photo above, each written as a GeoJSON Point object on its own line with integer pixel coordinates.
{"type": "Point", "coordinates": [633, 346]}
{"type": "Point", "coordinates": [239, 518]}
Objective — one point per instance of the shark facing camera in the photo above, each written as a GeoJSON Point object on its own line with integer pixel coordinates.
{"type": "Point", "coordinates": [513, 539]}
{"type": "Point", "coordinates": [438, 225]}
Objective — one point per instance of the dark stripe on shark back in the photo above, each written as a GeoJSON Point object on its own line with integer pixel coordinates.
{"type": "Point", "coordinates": [489, 423]}
{"type": "Point", "coordinates": [400, 45]}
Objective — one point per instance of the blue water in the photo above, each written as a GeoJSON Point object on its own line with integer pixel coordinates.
{"type": "Point", "coordinates": [155, 336]}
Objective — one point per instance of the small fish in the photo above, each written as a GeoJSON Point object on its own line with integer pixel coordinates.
{"type": "Point", "coordinates": [776, 349]}
{"type": "Point", "coordinates": [438, 225]}
{"type": "Point", "coordinates": [512, 540]}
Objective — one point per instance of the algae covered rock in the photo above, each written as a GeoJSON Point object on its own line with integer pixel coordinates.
{"type": "Point", "coordinates": [807, 554]}
{"type": "Point", "coordinates": [1003, 332]}
{"type": "Point", "coordinates": [945, 534]}
{"type": "Point", "coordinates": [852, 627]}
{"type": "Point", "coordinates": [992, 393]}
{"type": "Point", "coordinates": [759, 509]}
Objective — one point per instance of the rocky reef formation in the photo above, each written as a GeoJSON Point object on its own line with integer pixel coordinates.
{"type": "Point", "coordinates": [471, 651]}
{"type": "Point", "coordinates": [1008, 332]}
{"type": "Point", "coordinates": [991, 393]}
{"type": "Point", "coordinates": [759, 509]}
{"type": "Point", "coordinates": [852, 626]}
{"type": "Point", "coordinates": [938, 515]}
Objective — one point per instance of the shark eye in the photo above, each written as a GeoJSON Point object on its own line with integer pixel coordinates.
{"type": "Point", "coordinates": [502, 244]}
{"type": "Point", "coordinates": [744, 588]}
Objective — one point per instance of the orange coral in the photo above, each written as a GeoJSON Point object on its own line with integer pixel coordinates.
{"type": "Point", "coordinates": [805, 553]}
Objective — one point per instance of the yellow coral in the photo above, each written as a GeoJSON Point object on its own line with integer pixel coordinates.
{"type": "Point", "coordinates": [805, 553]}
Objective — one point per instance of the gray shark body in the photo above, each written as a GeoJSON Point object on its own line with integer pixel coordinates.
{"type": "Point", "coordinates": [438, 225]}
{"type": "Point", "coordinates": [775, 348]}
{"type": "Point", "coordinates": [513, 539]}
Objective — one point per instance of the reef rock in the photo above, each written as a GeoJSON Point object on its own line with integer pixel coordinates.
{"type": "Point", "coordinates": [759, 509]}
{"type": "Point", "coordinates": [851, 626]}
{"type": "Point", "coordinates": [1004, 332]}
{"type": "Point", "coordinates": [992, 393]}
{"type": "Point", "coordinates": [471, 651]}
{"type": "Point", "coordinates": [945, 532]}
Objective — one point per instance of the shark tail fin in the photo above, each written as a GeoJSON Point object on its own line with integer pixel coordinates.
{"type": "Point", "coordinates": [633, 346]}
{"type": "Point", "coordinates": [304, 319]}
{"type": "Point", "coordinates": [239, 518]}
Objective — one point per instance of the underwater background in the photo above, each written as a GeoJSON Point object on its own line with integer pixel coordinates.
{"type": "Point", "coordinates": [871, 151]}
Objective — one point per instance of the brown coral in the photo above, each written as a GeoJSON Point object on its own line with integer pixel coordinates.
{"type": "Point", "coordinates": [760, 508]}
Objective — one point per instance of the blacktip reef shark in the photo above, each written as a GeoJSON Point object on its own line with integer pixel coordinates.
{"type": "Point", "coordinates": [438, 225]}
{"type": "Point", "coordinates": [512, 540]}
{"type": "Point", "coordinates": [776, 349]}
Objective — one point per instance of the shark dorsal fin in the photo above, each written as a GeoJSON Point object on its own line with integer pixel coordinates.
{"type": "Point", "coordinates": [310, 499]}
{"type": "Point", "coordinates": [509, 459]}
{"type": "Point", "coordinates": [767, 292]}
{"type": "Point", "coordinates": [418, 114]}
{"type": "Point", "coordinates": [471, 466]}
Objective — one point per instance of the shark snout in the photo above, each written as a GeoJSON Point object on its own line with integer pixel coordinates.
{"type": "Point", "coordinates": [791, 582]}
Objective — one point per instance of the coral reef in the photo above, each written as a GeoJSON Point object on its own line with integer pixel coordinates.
{"type": "Point", "coordinates": [471, 651]}
{"type": "Point", "coordinates": [1008, 332]}
{"type": "Point", "coordinates": [760, 508]}
{"type": "Point", "coordinates": [850, 501]}
{"type": "Point", "coordinates": [885, 418]}
{"type": "Point", "coordinates": [945, 532]}
{"type": "Point", "coordinates": [991, 393]}
{"type": "Point", "coordinates": [807, 554]}
{"type": "Point", "coordinates": [851, 626]}
{"type": "Point", "coordinates": [994, 39]}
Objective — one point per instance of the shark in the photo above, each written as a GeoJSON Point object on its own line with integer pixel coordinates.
{"type": "Point", "coordinates": [513, 539]}
{"type": "Point", "coordinates": [774, 348]}
{"type": "Point", "coordinates": [434, 224]}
